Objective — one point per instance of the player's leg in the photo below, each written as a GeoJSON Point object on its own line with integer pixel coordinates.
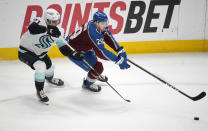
{"type": "Point", "coordinates": [40, 69]}
{"type": "Point", "coordinates": [87, 56]}
{"type": "Point", "coordinates": [50, 72]}
{"type": "Point", "coordinates": [91, 58]}
{"type": "Point", "coordinates": [88, 83]}
{"type": "Point", "coordinates": [39, 66]}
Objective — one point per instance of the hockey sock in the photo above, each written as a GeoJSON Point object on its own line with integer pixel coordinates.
{"type": "Point", "coordinates": [39, 80]}
{"type": "Point", "coordinates": [40, 69]}
{"type": "Point", "coordinates": [50, 73]}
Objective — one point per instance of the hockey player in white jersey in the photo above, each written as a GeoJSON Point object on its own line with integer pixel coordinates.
{"type": "Point", "coordinates": [36, 42]}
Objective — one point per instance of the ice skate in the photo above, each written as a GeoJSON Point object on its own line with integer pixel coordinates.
{"type": "Point", "coordinates": [93, 87]}
{"type": "Point", "coordinates": [55, 81]}
{"type": "Point", "coordinates": [42, 96]}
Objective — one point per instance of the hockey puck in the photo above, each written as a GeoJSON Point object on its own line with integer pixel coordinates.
{"type": "Point", "coordinates": [196, 118]}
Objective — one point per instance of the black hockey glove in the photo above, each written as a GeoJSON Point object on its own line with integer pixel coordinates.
{"type": "Point", "coordinates": [53, 31]}
{"type": "Point", "coordinates": [76, 55]}
{"type": "Point", "coordinates": [66, 51]}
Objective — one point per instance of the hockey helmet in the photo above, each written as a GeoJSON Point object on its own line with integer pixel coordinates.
{"type": "Point", "coordinates": [52, 16]}
{"type": "Point", "coordinates": [100, 17]}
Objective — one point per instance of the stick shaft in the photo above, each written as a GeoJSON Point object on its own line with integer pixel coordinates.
{"type": "Point", "coordinates": [103, 79]}
{"type": "Point", "coordinates": [168, 84]}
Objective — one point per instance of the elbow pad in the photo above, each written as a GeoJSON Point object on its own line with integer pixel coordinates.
{"type": "Point", "coordinates": [36, 29]}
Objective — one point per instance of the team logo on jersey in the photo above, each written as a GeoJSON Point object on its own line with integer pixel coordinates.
{"type": "Point", "coordinates": [45, 42]}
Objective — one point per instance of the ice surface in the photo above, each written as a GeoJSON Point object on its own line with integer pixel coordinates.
{"type": "Point", "coordinates": [154, 106]}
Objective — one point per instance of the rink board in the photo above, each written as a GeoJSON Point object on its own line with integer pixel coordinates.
{"type": "Point", "coordinates": [131, 48]}
{"type": "Point", "coordinates": [144, 26]}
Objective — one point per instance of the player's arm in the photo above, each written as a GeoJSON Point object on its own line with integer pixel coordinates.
{"type": "Point", "coordinates": [98, 42]}
{"type": "Point", "coordinates": [35, 27]}
{"type": "Point", "coordinates": [110, 40]}
{"type": "Point", "coordinates": [108, 54]}
{"type": "Point", "coordinates": [66, 50]}
{"type": "Point", "coordinates": [119, 60]}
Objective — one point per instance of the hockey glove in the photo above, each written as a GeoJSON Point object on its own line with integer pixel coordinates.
{"type": "Point", "coordinates": [122, 62]}
{"type": "Point", "coordinates": [121, 52]}
{"type": "Point", "coordinates": [76, 55]}
{"type": "Point", "coordinates": [53, 31]}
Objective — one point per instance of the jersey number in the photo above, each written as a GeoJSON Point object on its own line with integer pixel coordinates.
{"type": "Point", "coordinates": [78, 31]}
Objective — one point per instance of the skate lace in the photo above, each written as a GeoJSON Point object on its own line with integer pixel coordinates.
{"type": "Point", "coordinates": [42, 94]}
{"type": "Point", "coordinates": [55, 80]}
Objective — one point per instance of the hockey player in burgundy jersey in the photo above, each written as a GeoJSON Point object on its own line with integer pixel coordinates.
{"type": "Point", "coordinates": [89, 39]}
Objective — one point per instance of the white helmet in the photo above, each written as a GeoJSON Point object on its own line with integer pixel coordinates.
{"type": "Point", "coordinates": [51, 15]}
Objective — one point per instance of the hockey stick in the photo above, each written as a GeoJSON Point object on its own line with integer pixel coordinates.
{"type": "Point", "coordinates": [198, 97]}
{"type": "Point", "coordinates": [105, 81]}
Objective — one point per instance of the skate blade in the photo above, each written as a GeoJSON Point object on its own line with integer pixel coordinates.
{"type": "Point", "coordinates": [45, 103]}
{"type": "Point", "coordinates": [102, 84]}
{"type": "Point", "coordinates": [56, 86]}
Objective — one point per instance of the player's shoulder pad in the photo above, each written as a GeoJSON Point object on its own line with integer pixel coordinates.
{"type": "Point", "coordinates": [93, 30]}
{"type": "Point", "coordinates": [38, 20]}
{"type": "Point", "coordinates": [94, 33]}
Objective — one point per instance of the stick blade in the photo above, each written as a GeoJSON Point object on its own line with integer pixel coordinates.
{"type": "Point", "coordinates": [128, 100]}
{"type": "Point", "coordinates": [200, 96]}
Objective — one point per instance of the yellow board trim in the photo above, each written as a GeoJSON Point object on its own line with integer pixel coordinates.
{"type": "Point", "coordinates": [131, 48]}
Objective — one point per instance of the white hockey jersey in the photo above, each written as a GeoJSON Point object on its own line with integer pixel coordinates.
{"type": "Point", "coordinates": [39, 43]}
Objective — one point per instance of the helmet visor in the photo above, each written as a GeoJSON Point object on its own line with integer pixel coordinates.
{"type": "Point", "coordinates": [53, 22]}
